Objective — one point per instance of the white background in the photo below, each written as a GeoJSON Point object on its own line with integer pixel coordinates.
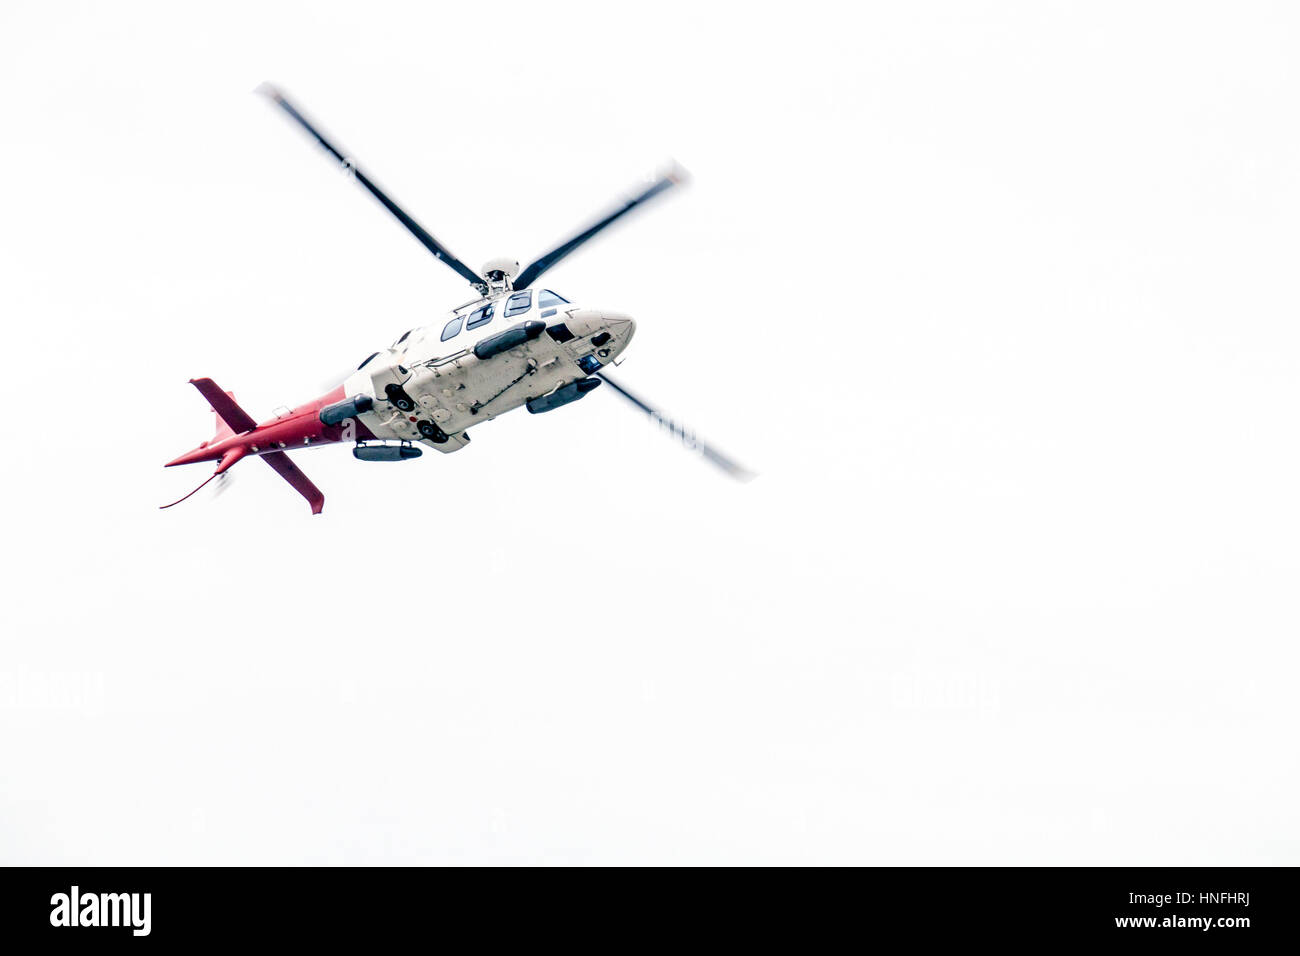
{"type": "Point", "coordinates": [998, 297]}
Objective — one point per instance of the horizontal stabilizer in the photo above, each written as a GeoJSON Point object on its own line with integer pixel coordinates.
{"type": "Point", "coordinates": [293, 474]}
{"type": "Point", "coordinates": [223, 403]}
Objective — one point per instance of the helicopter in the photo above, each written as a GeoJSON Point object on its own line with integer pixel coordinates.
{"type": "Point", "coordinates": [511, 346]}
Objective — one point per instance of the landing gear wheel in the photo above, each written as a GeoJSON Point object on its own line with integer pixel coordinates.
{"type": "Point", "coordinates": [431, 431]}
{"type": "Point", "coordinates": [398, 397]}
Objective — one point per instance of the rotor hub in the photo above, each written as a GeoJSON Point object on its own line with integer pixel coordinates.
{"type": "Point", "coordinates": [500, 273]}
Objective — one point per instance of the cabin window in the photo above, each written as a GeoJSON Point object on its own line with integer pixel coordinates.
{"type": "Point", "coordinates": [520, 302]}
{"type": "Point", "coordinates": [452, 328]}
{"type": "Point", "coordinates": [479, 317]}
{"type": "Point", "coordinates": [546, 299]}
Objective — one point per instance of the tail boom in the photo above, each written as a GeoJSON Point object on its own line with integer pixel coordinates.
{"type": "Point", "coordinates": [242, 436]}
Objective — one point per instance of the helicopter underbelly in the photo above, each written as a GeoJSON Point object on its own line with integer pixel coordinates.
{"type": "Point", "coordinates": [460, 390]}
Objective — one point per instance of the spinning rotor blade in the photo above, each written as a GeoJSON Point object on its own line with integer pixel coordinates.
{"type": "Point", "coordinates": [685, 435]}
{"type": "Point", "coordinates": [433, 245]}
{"type": "Point", "coordinates": [532, 272]}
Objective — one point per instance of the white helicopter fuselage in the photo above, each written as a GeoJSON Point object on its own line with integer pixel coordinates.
{"type": "Point", "coordinates": [491, 355]}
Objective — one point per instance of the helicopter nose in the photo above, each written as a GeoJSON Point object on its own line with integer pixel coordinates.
{"type": "Point", "coordinates": [620, 327]}
{"type": "Point", "coordinates": [617, 322]}
{"type": "Point", "coordinates": [584, 322]}
{"type": "Point", "coordinates": [613, 329]}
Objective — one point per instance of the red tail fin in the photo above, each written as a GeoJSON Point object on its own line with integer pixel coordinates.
{"type": "Point", "coordinates": [223, 431]}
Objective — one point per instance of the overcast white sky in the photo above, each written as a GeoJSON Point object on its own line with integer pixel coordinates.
{"type": "Point", "coordinates": [999, 298]}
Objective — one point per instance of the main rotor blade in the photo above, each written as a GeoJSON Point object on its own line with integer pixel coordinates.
{"type": "Point", "coordinates": [683, 434]}
{"type": "Point", "coordinates": [533, 271]}
{"type": "Point", "coordinates": [433, 245]}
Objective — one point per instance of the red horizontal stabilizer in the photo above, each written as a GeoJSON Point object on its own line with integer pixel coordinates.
{"type": "Point", "coordinates": [223, 403]}
{"type": "Point", "coordinates": [293, 474]}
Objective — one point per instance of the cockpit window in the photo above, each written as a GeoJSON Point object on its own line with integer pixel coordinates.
{"type": "Point", "coordinates": [452, 328]}
{"type": "Point", "coordinates": [546, 299]}
{"type": "Point", "coordinates": [519, 302]}
{"type": "Point", "coordinates": [479, 317]}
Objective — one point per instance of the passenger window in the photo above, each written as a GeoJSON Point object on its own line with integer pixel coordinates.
{"type": "Point", "coordinates": [520, 302]}
{"type": "Point", "coordinates": [452, 328]}
{"type": "Point", "coordinates": [479, 317]}
{"type": "Point", "coordinates": [546, 299]}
